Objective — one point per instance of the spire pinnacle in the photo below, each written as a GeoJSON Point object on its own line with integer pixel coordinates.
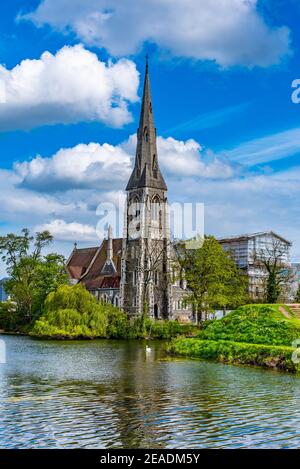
{"type": "Point", "coordinates": [146, 171]}
{"type": "Point", "coordinates": [147, 62]}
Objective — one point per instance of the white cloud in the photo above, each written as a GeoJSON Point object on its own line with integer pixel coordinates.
{"type": "Point", "coordinates": [86, 166]}
{"type": "Point", "coordinates": [106, 167]}
{"type": "Point", "coordinates": [69, 231]}
{"type": "Point", "coordinates": [188, 159]}
{"type": "Point", "coordinates": [71, 86]}
{"type": "Point", "coordinates": [230, 32]}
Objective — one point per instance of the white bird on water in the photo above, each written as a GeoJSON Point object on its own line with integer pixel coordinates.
{"type": "Point", "coordinates": [148, 349]}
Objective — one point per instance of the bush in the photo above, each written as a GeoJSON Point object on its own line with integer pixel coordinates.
{"type": "Point", "coordinates": [72, 312]}
{"type": "Point", "coordinates": [256, 324]}
{"type": "Point", "coordinates": [144, 327]}
{"type": "Point", "coordinates": [9, 317]}
{"type": "Point", "coordinates": [269, 356]}
{"type": "Point", "coordinates": [118, 324]}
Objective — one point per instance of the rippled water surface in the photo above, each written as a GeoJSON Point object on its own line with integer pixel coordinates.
{"type": "Point", "coordinates": [111, 394]}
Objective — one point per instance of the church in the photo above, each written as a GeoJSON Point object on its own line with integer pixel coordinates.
{"type": "Point", "coordinates": [138, 273]}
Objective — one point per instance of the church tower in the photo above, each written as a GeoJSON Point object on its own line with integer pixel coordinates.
{"type": "Point", "coordinates": [146, 241]}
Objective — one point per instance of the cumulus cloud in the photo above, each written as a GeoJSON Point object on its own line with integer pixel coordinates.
{"type": "Point", "coordinates": [229, 32]}
{"type": "Point", "coordinates": [71, 86]}
{"type": "Point", "coordinates": [73, 231]}
{"type": "Point", "coordinates": [83, 166]}
{"type": "Point", "coordinates": [106, 167]}
{"type": "Point", "coordinates": [188, 159]}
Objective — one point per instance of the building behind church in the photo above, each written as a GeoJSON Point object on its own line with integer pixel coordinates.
{"type": "Point", "coordinates": [246, 250]}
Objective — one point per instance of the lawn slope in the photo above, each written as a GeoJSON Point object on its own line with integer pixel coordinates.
{"type": "Point", "coordinates": [259, 335]}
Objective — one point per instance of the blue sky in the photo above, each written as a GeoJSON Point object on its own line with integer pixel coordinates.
{"type": "Point", "coordinates": [221, 75]}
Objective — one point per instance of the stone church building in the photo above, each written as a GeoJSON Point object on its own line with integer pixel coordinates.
{"type": "Point", "coordinates": [137, 273]}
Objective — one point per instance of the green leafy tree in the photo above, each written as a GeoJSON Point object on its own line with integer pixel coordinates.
{"type": "Point", "coordinates": [70, 312]}
{"type": "Point", "coordinates": [32, 276]}
{"type": "Point", "coordinates": [213, 279]}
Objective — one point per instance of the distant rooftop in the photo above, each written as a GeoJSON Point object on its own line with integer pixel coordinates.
{"type": "Point", "coordinates": [246, 236]}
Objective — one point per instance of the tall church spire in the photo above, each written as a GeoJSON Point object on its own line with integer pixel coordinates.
{"type": "Point", "coordinates": [146, 172]}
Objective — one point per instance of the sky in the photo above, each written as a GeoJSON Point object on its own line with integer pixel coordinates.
{"type": "Point", "coordinates": [71, 74]}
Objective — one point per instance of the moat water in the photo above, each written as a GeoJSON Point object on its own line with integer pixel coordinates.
{"type": "Point", "coordinates": [111, 394]}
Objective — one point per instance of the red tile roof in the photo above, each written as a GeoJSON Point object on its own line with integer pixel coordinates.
{"type": "Point", "coordinates": [79, 261]}
{"type": "Point", "coordinates": [86, 265]}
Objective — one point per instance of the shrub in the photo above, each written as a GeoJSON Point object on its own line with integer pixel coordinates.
{"type": "Point", "coordinates": [144, 327]}
{"type": "Point", "coordinates": [10, 319]}
{"type": "Point", "coordinates": [118, 324]}
{"type": "Point", "coordinates": [72, 312]}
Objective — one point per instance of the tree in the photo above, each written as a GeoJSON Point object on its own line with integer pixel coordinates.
{"type": "Point", "coordinates": [213, 279]}
{"type": "Point", "coordinates": [273, 259]}
{"type": "Point", "coordinates": [71, 311]}
{"type": "Point", "coordinates": [32, 275]}
{"type": "Point", "coordinates": [297, 298]}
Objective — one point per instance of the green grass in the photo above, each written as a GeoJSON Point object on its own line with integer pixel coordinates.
{"type": "Point", "coordinates": [253, 334]}
{"type": "Point", "coordinates": [255, 324]}
{"type": "Point", "coordinates": [268, 356]}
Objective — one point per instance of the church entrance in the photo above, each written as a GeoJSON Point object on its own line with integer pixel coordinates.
{"type": "Point", "coordinates": [155, 311]}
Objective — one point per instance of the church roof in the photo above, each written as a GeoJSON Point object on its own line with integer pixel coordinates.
{"type": "Point", "coordinates": [146, 172]}
{"type": "Point", "coordinates": [86, 266]}
{"type": "Point", "coordinates": [79, 261]}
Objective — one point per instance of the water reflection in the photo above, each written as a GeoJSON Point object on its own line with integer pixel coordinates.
{"type": "Point", "coordinates": [112, 394]}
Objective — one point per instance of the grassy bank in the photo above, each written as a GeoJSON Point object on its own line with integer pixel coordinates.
{"type": "Point", "coordinates": [268, 356]}
{"type": "Point", "coordinates": [255, 324]}
{"type": "Point", "coordinates": [259, 335]}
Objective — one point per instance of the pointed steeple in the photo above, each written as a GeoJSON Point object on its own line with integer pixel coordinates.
{"type": "Point", "coordinates": [109, 266]}
{"type": "Point", "coordinates": [109, 243]}
{"type": "Point", "coordinates": [146, 172]}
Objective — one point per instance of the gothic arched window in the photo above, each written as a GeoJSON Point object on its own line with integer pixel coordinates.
{"type": "Point", "coordinates": [155, 208]}
{"type": "Point", "coordinates": [135, 207]}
